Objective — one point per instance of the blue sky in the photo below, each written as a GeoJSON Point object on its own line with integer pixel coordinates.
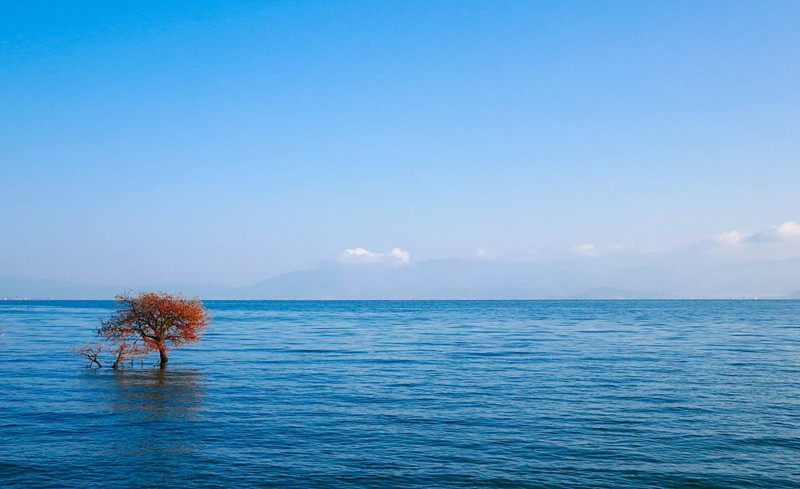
{"type": "Point", "coordinates": [232, 141]}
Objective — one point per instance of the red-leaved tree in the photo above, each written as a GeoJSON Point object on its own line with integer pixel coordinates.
{"type": "Point", "coordinates": [152, 321]}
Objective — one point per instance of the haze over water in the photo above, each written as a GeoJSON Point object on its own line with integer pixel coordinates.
{"type": "Point", "coordinates": [509, 394]}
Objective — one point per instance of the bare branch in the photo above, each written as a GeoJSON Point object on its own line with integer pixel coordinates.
{"type": "Point", "coordinates": [91, 353]}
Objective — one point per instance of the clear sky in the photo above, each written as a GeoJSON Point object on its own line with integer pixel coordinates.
{"type": "Point", "coordinates": [232, 141]}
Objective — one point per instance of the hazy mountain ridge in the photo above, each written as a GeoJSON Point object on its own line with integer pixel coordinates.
{"type": "Point", "coordinates": [639, 278]}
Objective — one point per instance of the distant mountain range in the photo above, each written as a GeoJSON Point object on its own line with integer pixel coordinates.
{"type": "Point", "coordinates": [637, 278]}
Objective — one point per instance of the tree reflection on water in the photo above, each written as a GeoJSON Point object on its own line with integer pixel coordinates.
{"type": "Point", "coordinates": [158, 408]}
{"type": "Point", "coordinates": [158, 394]}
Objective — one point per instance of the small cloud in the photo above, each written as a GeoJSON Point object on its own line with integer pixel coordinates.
{"type": "Point", "coordinates": [731, 239]}
{"type": "Point", "coordinates": [585, 249]}
{"type": "Point", "coordinates": [782, 240]}
{"type": "Point", "coordinates": [787, 231]}
{"type": "Point", "coordinates": [365, 256]}
{"type": "Point", "coordinates": [482, 253]}
{"type": "Point", "coordinates": [401, 255]}
{"type": "Point", "coordinates": [360, 255]}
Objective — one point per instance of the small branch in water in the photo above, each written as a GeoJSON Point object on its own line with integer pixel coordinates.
{"type": "Point", "coordinates": [91, 353]}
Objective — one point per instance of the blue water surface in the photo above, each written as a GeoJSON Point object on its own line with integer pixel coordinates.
{"type": "Point", "coordinates": [508, 394]}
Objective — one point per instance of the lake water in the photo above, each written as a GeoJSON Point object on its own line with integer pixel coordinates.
{"type": "Point", "coordinates": [605, 394]}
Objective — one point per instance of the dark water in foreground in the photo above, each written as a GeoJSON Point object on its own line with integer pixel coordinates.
{"type": "Point", "coordinates": [695, 394]}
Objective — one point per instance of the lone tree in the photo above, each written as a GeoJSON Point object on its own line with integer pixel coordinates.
{"type": "Point", "coordinates": [147, 322]}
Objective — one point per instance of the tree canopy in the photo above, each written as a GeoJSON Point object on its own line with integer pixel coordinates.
{"type": "Point", "coordinates": [146, 322]}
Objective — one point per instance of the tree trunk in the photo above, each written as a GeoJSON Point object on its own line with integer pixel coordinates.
{"type": "Point", "coordinates": [163, 354]}
{"type": "Point", "coordinates": [118, 360]}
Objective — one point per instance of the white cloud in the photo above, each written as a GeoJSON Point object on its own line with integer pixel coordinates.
{"type": "Point", "coordinates": [360, 255]}
{"type": "Point", "coordinates": [731, 238]}
{"type": "Point", "coordinates": [365, 256]}
{"type": "Point", "coordinates": [779, 241]}
{"type": "Point", "coordinates": [401, 255]}
{"type": "Point", "coordinates": [585, 249]}
{"type": "Point", "coordinates": [787, 231]}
